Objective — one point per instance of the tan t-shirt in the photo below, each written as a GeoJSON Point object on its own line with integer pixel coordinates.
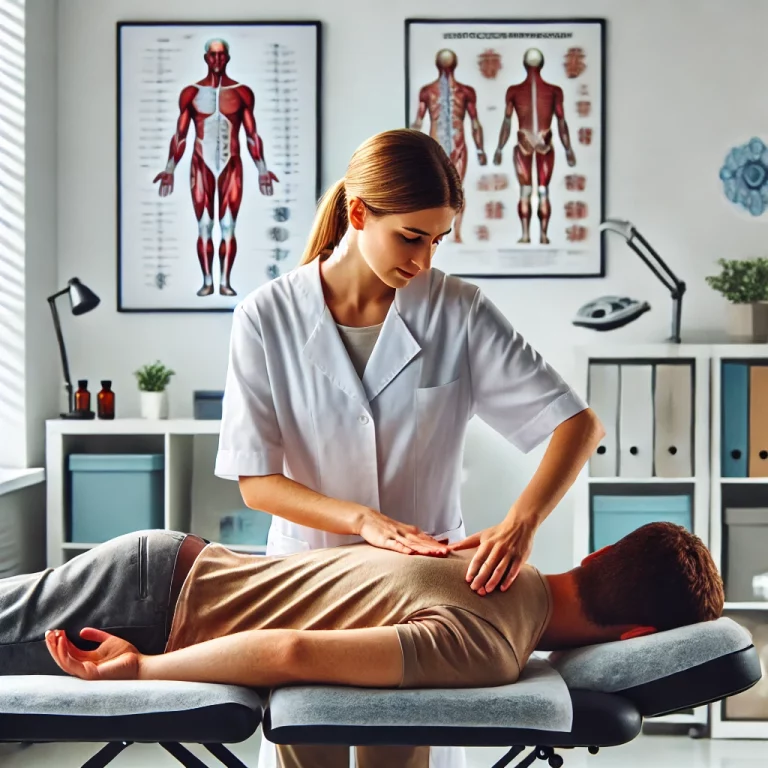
{"type": "Point", "coordinates": [449, 635]}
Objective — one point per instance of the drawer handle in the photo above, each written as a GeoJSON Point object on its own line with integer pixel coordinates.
{"type": "Point", "coordinates": [601, 449]}
{"type": "Point", "coordinates": [672, 449]}
{"type": "Point", "coordinates": [763, 454]}
{"type": "Point", "coordinates": [634, 450]}
{"type": "Point", "coordinates": [736, 454]}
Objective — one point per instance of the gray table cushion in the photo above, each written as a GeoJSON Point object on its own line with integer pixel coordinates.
{"type": "Point", "coordinates": [614, 667]}
{"type": "Point", "coordinates": [59, 695]}
{"type": "Point", "coordinates": [539, 700]}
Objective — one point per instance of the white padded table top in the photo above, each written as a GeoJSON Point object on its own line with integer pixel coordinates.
{"type": "Point", "coordinates": [60, 695]}
{"type": "Point", "coordinates": [539, 700]}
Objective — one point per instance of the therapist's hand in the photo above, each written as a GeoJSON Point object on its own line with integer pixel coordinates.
{"type": "Point", "coordinates": [501, 552]}
{"type": "Point", "coordinates": [384, 532]}
{"type": "Point", "coordinates": [114, 659]}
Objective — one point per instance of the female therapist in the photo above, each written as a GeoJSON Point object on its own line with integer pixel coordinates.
{"type": "Point", "coordinates": [351, 380]}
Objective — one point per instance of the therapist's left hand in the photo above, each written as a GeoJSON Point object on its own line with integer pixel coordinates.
{"type": "Point", "coordinates": [501, 552]}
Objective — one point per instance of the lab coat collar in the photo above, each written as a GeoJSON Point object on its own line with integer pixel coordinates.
{"type": "Point", "coordinates": [394, 349]}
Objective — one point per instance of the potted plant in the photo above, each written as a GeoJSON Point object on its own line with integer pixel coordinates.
{"type": "Point", "coordinates": [744, 282]}
{"type": "Point", "coordinates": [153, 380]}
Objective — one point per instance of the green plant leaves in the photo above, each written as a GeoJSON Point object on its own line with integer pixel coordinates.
{"type": "Point", "coordinates": [154, 377]}
{"type": "Point", "coordinates": [741, 281]}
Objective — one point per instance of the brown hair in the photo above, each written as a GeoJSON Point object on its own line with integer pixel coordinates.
{"type": "Point", "coordinates": [660, 575]}
{"type": "Point", "coordinates": [398, 171]}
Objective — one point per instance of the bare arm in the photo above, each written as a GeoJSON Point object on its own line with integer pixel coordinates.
{"type": "Point", "coordinates": [569, 448]}
{"type": "Point", "coordinates": [503, 548]}
{"type": "Point", "coordinates": [368, 657]}
{"type": "Point", "coordinates": [281, 496]}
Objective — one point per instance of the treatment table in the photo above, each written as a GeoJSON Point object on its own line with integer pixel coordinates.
{"type": "Point", "coordinates": [590, 697]}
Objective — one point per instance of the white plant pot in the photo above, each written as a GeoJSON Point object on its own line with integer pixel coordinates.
{"type": "Point", "coordinates": [154, 405]}
{"type": "Point", "coordinates": [748, 323]}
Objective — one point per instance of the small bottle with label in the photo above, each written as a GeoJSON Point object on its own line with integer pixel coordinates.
{"type": "Point", "coordinates": [105, 401]}
{"type": "Point", "coordinates": [82, 397]}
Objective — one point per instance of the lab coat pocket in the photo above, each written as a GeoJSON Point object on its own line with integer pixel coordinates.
{"type": "Point", "coordinates": [437, 412]}
{"type": "Point", "coordinates": [280, 544]}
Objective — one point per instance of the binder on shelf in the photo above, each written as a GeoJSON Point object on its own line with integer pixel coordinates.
{"type": "Point", "coordinates": [735, 418]}
{"type": "Point", "coordinates": [758, 421]}
{"type": "Point", "coordinates": [673, 420]}
{"type": "Point", "coordinates": [603, 396]}
{"type": "Point", "coordinates": [636, 420]}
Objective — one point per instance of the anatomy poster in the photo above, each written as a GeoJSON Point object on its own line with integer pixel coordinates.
{"type": "Point", "coordinates": [519, 108]}
{"type": "Point", "coordinates": [218, 169]}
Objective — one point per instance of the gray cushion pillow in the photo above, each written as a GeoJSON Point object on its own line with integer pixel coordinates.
{"type": "Point", "coordinates": [614, 667]}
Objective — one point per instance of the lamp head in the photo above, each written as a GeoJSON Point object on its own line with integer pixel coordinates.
{"type": "Point", "coordinates": [609, 312]}
{"type": "Point", "coordinates": [81, 297]}
{"type": "Point", "coordinates": [624, 228]}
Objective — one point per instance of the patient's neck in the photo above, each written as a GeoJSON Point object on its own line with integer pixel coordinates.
{"type": "Point", "coordinates": [568, 627]}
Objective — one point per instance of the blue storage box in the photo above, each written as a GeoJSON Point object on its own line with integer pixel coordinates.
{"type": "Point", "coordinates": [207, 403]}
{"type": "Point", "coordinates": [113, 494]}
{"type": "Point", "coordinates": [613, 517]}
{"type": "Point", "coordinates": [245, 526]}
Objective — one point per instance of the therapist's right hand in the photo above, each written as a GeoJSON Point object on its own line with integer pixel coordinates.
{"type": "Point", "coordinates": [384, 532]}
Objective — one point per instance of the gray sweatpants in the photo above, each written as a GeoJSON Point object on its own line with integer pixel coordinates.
{"type": "Point", "coordinates": [122, 587]}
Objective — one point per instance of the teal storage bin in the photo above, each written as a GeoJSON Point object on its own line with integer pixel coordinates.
{"type": "Point", "coordinates": [613, 517]}
{"type": "Point", "coordinates": [113, 494]}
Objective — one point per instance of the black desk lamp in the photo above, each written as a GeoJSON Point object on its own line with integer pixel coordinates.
{"type": "Point", "coordinates": [609, 312]}
{"type": "Point", "coordinates": [82, 299]}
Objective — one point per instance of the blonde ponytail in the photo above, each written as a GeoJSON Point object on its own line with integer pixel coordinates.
{"type": "Point", "coordinates": [329, 225]}
{"type": "Point", "coordinates": [397, 171]}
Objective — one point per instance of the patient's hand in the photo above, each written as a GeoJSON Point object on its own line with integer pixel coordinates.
{"type": "Point", "coordinates": [114, 659]}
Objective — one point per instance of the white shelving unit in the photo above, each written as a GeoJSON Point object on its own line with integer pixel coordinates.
{"type": "Point", "coordinates": [699, 356]}
{"type": "Point", "coordinates": [756, 487]}
{"type": "Point", "coordinates": [709, 492]}
{"type": "Point", "coordinates": [193, 500]}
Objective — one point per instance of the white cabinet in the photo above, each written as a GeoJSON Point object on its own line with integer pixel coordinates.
{"type": "Point", "coordinates": [194, 499]}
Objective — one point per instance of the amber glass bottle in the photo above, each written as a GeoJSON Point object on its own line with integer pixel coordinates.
{"type": "Point", "coordinates": [82, 397]}
{"type": "Point", "coordinates": [105, 401]}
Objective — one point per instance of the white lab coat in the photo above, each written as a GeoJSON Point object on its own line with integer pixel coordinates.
{"type": "Point", "coordinates": [293, 404]}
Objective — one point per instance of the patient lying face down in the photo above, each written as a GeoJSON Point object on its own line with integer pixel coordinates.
{"type": "Point", "coordinates": [656, 578]}
{"type": "Point", "coordinates": [359, 615]}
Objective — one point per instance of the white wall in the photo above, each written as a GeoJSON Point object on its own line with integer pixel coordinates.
{"type": "Point", "coordinates": [683, 87]}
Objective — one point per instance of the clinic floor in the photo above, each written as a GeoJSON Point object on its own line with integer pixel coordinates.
{"type": "Point", "coordinates": [658, 751]}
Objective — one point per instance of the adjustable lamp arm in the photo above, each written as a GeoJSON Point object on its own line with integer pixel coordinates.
{"type": "Point", "coordinates": [669, 280]}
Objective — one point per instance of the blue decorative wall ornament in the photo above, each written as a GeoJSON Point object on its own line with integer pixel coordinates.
{"type": "Point", "coordinates": [745, 176]}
